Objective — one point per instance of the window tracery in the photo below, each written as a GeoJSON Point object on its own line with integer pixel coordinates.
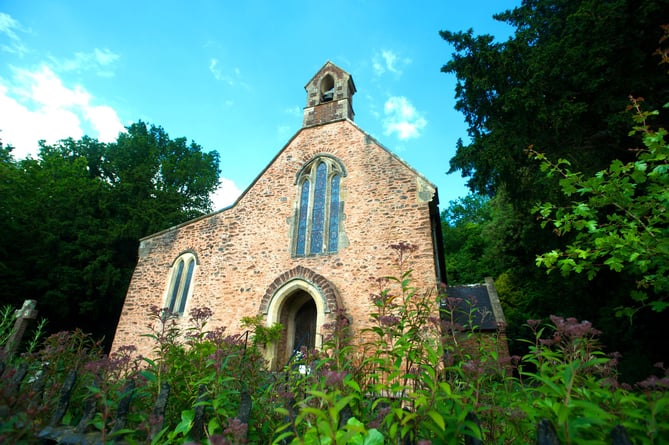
{"type": "Point", "coordinates": [319, 207]}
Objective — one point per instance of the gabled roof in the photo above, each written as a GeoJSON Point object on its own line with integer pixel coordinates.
{"type": "Point", "coordinates": [331, 67]}
{"type": "Point", "coordinates": [260, 175]}
{"type": "Point", "coordinates": [366, 135]}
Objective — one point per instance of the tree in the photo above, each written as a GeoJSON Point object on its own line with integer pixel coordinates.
{"type": "Point", "coordinates": [461, 225]}
{"type": "Point", "coordinates": [76, 213]}
{"type": "Point", "coordinates": [470, 240]}
{"type": "Point", "coordinates": [146, 164]}
{"type": "Point", "coordinates": [10, 187]}
{"type": "Point", "coordinates": [620, 216]}
{"type": "Point", "coordinates": [559, 83]}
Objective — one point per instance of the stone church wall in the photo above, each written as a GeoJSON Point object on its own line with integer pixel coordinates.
{"type": "Point", "coordinates": [242, 250]}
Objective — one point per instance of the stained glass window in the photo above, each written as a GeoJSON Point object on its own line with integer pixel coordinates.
{"type": "Point", "coordinates": [333, 227]}
{"type": "Point", "coordinates": [318, 214]}
{"type": "Point", "coordinates": [302, 220]}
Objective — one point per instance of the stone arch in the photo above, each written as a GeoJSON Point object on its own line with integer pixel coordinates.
{"type": "Point", "coordinates": [187, 252]}
{"type": "Point", "coordinates": [301, 301]}
{"type": "Point", "coordinates": [335, 164]}
{"type": "Point", "coordinates": [325, 288]}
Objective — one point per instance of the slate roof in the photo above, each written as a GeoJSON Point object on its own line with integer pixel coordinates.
{"type": "Point", "coordinates": [474, 306]}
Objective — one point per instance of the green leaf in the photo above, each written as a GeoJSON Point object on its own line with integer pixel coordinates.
{"type": "Point", "coordinates": [438, 419]}
{"type": "Point", "coordinates": [659, 306]}
{"type": "Point", "coordinates": [213, 426]}
{"type": "Point", "coordinates": [187, 417]}
{"type": "Point", "coordinates": [373, 437]}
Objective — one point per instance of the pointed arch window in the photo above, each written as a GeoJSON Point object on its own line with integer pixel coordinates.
{"type": "Point", "coordinates": [319, 207]}
{"type": "Point", "coordinates": [180, 283]}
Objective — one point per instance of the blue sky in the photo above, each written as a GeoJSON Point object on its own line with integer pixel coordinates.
{"type": "Point", "coordinates": [231, 75]}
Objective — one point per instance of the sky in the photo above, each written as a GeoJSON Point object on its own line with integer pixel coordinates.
{"type": "Point", "coordinates": [230, 75]}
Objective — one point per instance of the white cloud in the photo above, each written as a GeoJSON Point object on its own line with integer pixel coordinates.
{"type": "Point", "coordinates": [104, 57]}
{"type": "Point", "coordinates": [37, 105]}
{"type": "Point", "coordinates": [402, 118]}
{"type": "Point", "coordinates": [226, 194]}
{"type": "Point", "coordinates": [230, 79]}
{"type": "Point", "coordinates": [215, 70]}
{"type": "Point", "coordinates": [105, 121]}
{"type": "Point", "coordinates": [46, 90]}
{"type": "Point", "coordinates": [8, 26]}
{"type": "Point", "coordinates": [387, 60]}
{"type": "Point", "coordinates": [99, 60]}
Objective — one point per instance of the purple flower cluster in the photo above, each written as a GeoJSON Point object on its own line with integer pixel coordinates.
{"type": "Point", "coordinates": [452, 304]}
{"type": "Point", "coordinates": [404, 246]}
{"type": "Point", "coordinates": [378, 419]}
{"type": "Point", "coordinates": [534, 324]}
{"type": "Point", "coordinates": [388, 320]}
{"type": "Point", "coordinates": [404, 250]}
{"type": "Point", "coordinates": [571, 328]}
{"type": "Point", "coordinates": [473, 368]}
{"type": "Point", "coordinates": [334, 378]}
{"type": "Point", "coordinates": [216, 335]}
{"type": "Point", "coordinates": [161, 314]}
{"type": "Point", "coordinates": [656, 383]}
{"type": "Point", "coordinates": [200, 315]}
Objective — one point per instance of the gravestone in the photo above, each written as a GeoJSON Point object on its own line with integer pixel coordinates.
{"type": "Point", "coordinates": [23, 317]}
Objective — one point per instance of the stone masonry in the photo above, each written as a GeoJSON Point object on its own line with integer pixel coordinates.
{"type": "Point", "coordinates": [244, 252]}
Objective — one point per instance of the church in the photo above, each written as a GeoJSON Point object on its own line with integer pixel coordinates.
{"type": "Point", "coordinates": [302, 241]}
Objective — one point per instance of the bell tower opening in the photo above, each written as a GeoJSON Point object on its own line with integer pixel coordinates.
{"type": "Point", "coordinates": [327, 88]}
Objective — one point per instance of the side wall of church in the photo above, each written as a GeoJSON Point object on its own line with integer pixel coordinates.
{"type": "Point", "coordinates": [243, 249]}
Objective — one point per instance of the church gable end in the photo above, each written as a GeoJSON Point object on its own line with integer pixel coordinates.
{"type": "Point", "coordinates": [302, 241]}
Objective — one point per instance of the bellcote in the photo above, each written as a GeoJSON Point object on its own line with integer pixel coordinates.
{"type": "Point", "coordinates": [329, 96]}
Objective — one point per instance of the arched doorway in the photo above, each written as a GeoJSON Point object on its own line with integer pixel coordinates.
{"type": "Point", "coordinates": [299, 317]}
{"type": "Point", "coordinates": [300, 300]}
{"type": "Point", "coordinates": [300, 309]}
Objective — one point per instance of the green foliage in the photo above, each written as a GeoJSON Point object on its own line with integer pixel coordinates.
{"type": "Point", "coordinates": [620, 217]}
{"type": "Point", "coordinates": [29, 344]}
{"type": "Point", "coordinates": [482, 237]}
{"type": "Point", "coordinates": [6, 324]}
{"type": "Point", "coordinates": [403, 390]}
{"type": "Point", "coordinates": [205, 370]}
{"type": "Point", "coordinates": [463, 224]}
{"type": "Point", "coordinates": [78, 211]}
{"type": "Point", "coordinates": [421, 379]}
{"type": "Point", "coordinates": [33, 402]}
{"type": "Point", "coordinates": [559, 83]}
{"type": "Point", "coordinates": [262, 335]}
